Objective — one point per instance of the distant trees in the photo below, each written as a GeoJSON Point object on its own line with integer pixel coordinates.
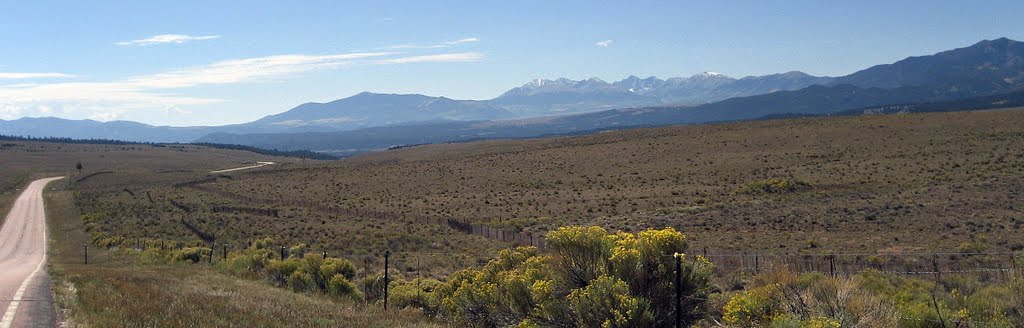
{"type": "Point", "coordinates": [272, 152]}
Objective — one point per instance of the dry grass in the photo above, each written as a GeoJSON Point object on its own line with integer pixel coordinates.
{"type": "Point", "coordinates": [114, 290]}
{"type": "Point", "coordinates": [875, 183]}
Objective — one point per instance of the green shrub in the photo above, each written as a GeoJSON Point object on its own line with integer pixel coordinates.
{"type": "Point", "coordinates": [415, 293]}
{"type": "Point", "coordinates": [333, 266]}
{"type": "Point", "coordinates": [298, 251]}
{"type": "Point", "coordinates": [606, 302]}
{"type": "Point", "coordinates": [242, 264]}
{"type": "Point", "coordinates": [300, 281]}
{"type": "Point", "coordinates": [194, 254]}
{"type": "Point", "coordinates": [580, 253]}
{"type": "Point", "coordinates": [154, 256]}
{"type": "Point", "coordinates": [782, 299]}
{"type": "Point", "coordinates": [339, 286]}
{"type": "Point", "coordinates": [279, 271]}
{"type": "Point", "coordinates": [753, 308]}
{"type": "Point", "coordinates": [589, 277]}
{"type": "Point", "coordinates": [372, 286]}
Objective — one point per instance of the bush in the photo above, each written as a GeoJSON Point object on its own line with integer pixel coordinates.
{"type": "Point", "coordinates": [372, 286]}
{"type": "Point", "coordinates": [415, 293]}
{"type": "Point", "coordinates": [339, 286]}
{"type": "Point", "coordinates": [194, 254]}
{"type": "Point", "coordinates": [298, 251]}
{"type": "Point", "coordinates": [753, 308]}
{"type": "Point", "coordinates": [781, 299]}
{"type": "Point", "coordinates": [606, 302]}
{"type": "Point", "coordinates": [300, 281]}
{"type": "Point", "coordinates": [590, 277]}
{"type": "Point", "coordinates": [581, 254]}
{"type": "Point", "coordinates": [333, 266]}
{"type": "Point", "coordinates": [280, 271]}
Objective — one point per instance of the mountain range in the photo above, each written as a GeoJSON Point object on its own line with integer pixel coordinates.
{"type": "Point", "coordinates": [372, 121]}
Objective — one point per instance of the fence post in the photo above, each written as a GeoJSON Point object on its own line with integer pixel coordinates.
{"type": "Point", "coordinates": [282, 253]}
{"type": "Point", "coordinates": [387, 255]}
{"type": "Point", "coordinates": [743, 266]}
{"type": "Point", "coordinates": [832, 265]}
{"type": "Point", "coordinates": [679, 290]}
{"type": "Point", "coordinates": [225, 251]}
{"type": "Point", "coordinates": [1013, 265]}
{"type": "Point", "coordinates": [213, 247]}
{"type": "Point", "coordinates": [757, 264]}
{"type": "Point", "coordinates": [935, 266]}
{"type": "Point", "coordinates": [86, 247]}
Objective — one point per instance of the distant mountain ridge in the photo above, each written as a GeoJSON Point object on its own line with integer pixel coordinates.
{"type": "Point", "coordinates": [987, 68]}
{"type": "Point", "coordinates": [540, 97]}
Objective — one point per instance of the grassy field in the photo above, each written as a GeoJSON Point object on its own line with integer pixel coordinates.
{"type": "Point", "coordinates": [920, 183]}
{"type": "Point", "coordinates": [898, 183]}
{"type": "Point", "coordinates": [117, 290]}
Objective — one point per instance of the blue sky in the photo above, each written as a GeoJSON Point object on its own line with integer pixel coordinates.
{"type": "Point", "coordinates": [220, 62]}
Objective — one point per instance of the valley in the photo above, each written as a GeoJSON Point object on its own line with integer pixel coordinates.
{"type": "Point", "coordinates": [530, 164]}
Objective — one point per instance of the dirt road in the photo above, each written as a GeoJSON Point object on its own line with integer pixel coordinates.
{"type": "Point", "coordinates": [25, 297]}
{"type": "Point", "coordinates": [258, 164]}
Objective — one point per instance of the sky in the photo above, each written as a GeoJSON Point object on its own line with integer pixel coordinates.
{"type": "Point", "coordinates": [186, 63]}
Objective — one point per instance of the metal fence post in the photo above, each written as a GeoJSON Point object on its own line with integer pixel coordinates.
{"type": "Point", "coordinates": [86, 247]}
{"type": "Point", "coordinates": [679, 290]}
{"type": "Point", "coordinates": [387, 255]}
{"type": "Point", "coordinates": [832, 265]}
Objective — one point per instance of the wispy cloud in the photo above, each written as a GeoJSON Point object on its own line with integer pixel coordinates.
{"type": "Point", "coordinates": [604, 44]}
{"type": "Point", "coordinates": [454, 42]}
{"type": "Point", "coordinates": [455, 57]}
{"type": "Point", "coordinates": [16, 76]}
{"type": "Point", "coordinates": [165, 91]}
{"type": "Point", "coordinates": [445, 44]}
{"type": "Point", "coordinates": [166, 38]}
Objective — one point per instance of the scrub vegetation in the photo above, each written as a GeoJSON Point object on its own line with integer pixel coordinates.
{"type": "Point", "coordinates": [618, 209]}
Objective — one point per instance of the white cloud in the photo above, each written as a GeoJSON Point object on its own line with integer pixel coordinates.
{"type": "Point", "coordinates": [455, 57]}
{"type": "Point", "coordinates": [13, 76]}
{"type": "Point", "coordinates": [604, 43]}
{"type": "Point", "coordinates": [454, 42]}
{"type": "Point", "coordinates": [106, 100]}
{"type": "Point", "coordinates": [249, 70]}
{"type": "Point", "coordinates": [445, 44]}
{"type": "Point", "coordinates": [166, 38]}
